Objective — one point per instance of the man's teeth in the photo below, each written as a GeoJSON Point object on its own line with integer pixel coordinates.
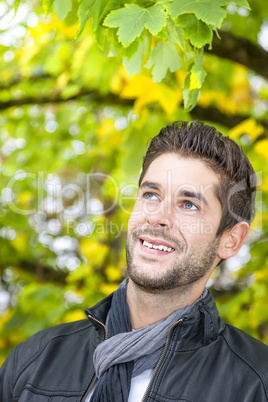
{"type": "Point", "coordinates": [158, 247]}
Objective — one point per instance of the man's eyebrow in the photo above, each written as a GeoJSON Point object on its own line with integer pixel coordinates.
{"type": "Point", "coordinates": [151, 184]}
{"type": "Point", "coordinates": [192, 194]}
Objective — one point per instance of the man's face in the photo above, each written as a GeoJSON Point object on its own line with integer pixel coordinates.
{"type": "Point", "coordinates": [171, 239]}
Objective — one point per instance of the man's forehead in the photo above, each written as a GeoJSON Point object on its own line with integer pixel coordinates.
{"type": "Point", "coordinates": [177, 169]}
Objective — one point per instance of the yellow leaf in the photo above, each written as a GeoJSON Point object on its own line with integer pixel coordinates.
{"type": "Point", "coordinates": [55, 25]}
{"type": "Point", "coordinates": [264, 183]}
{"type": "Point", "coordinates": [181, 75]}
{"type": "Point", "coordinates": [20, 242]}
{"type": "Point", "coordinates": [265, 216]}
{"type": "Point", "coordinates": [218, 99]}
{"type": "Point", "coordinates": [146, 91]}
{"type": "Point", "coordinates": [113, 273]}
{"type": "Point", "coordinates": [6, 74]}
{"type": "Point", "coordinates": [257, 222]}
{"type": "Point", "coordinates": [168, 98]}
{"type": "Point", "coordinates": [75, 315]}
{"type": "Point", "coordinates": [94, 252]}
{"type": "Point", "coordinates": [111, 137]}
{"type": "Point", "coordinates": [68, 31]}
{"type": "Point", "coordinates": [136, 86]}
{"type": "Point", "coordinates": [142, 120]}
{"type": "Point", "coordinates": [25, 197]}
{"type": "Point", "coordinates": [118, 80]}
{"type": "Point", "coordinates": [15, 337]}
{"type": "Point", "coordinates": [108, 288]}
{"type": "Point", "coordinates": [25, 56]}
{"type": "Point", "coordinates": [248, 126]}
{"type": "Point", "coordinates": [261, 274]}
{"type": "Point", "coordinates": [62, 80]}
{"type": "Point", "coordinates": [106, 128]}
{"type": "Point", "coordinates": [240, 75]}
{"type": "Point", "coordinates": [81, 53]}
{"type": "Point", "coordinates": [262, 148]}
{"type": "Point", "coordinates": [5, 318]}
{"type": "Point", "coordinates": [81, 272]}
{"type": "Point", "coordinates": [241, 96]}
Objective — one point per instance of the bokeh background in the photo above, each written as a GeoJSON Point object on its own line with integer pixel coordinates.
{"type": "Point", "coordinates": [76, 111]}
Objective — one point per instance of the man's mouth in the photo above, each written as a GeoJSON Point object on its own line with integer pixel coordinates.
{"type": "Point", "coordinates": [157, 245]}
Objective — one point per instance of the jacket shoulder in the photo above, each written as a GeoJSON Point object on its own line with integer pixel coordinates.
{"type": "Point", "coordinates": [62, 336]}
{"type": "Point", "coordinates": [251, 351]}
{"type": "Point", "coordinates": [32, 347]}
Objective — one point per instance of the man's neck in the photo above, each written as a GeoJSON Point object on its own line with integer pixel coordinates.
{"type": "Point", "coordinates": [147, 308]}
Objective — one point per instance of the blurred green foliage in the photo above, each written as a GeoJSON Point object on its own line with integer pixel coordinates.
{"type": "Point", "coordinates": [73, 129]}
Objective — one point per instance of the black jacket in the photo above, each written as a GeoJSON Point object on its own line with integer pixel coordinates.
{"type": "Point", "coordinates": [212, 362]}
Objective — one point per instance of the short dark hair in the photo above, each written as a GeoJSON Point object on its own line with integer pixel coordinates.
{"type": "Point", "coordinates": [237, 189]}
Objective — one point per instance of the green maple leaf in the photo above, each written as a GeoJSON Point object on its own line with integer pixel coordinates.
{"type": "Point", "coordinates": [97, 9]}
{"type": "Point", "coordinates": [100, 9]}
{"type": "Point", "coordinates": [62, 8]}
{"type": "Point", "coordinates": [132, 19]}
{"type": "Point", "coordinates": [198, 74]}
{"type": "Point", "coordinates": [100, 37]}
{"type": "Point", "coordinates": [165, 3]}
{"type": "Point", "coordinates": [163, 57]}
{"type": "Point", "coordinates": [190, 96]}
{"type": "Point", "coordinates": [242, 3]}
{"type": "Point", "coordinates": [47, 6]}
{"type": "Point", "coordinates": [210, 12]}
{"type": "Point", "coordinates": [83, 14]}
{"type": "Point", "coordinates": [195, 30]}
{"type": "Point", "coordinates": [133, 64]}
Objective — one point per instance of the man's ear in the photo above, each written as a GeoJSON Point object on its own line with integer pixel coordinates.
{"type": "Point", "coordinates": [232, 240]}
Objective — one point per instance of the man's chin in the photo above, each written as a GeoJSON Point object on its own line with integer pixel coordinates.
{"type": "Point", "coordinates": [146, 285]}
{"type": "Point", "coordinates": [154, 283]}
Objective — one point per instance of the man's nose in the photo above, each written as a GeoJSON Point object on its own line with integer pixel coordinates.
{"type": "Point", "coordinates": [162, 216]}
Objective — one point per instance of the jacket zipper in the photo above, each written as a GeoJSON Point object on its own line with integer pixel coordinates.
{"type": "Point", "coordinates": [160, 359]}
{"type": "Point", "coordinates": [105, 338]}
{"type": "Point", "coordinates": [157, 364]}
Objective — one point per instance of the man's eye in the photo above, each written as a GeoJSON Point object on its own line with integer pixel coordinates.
{"type": "Point", "coordinates": [190, 206]}
{"type": "Point", "coordinates": [150, 196]}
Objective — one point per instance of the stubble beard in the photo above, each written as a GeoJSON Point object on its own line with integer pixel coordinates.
{"type": "Point", "coordinates": [181, 273]}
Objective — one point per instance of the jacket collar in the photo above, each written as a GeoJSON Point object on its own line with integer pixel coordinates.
{"type": "Point", "coordinates": [200, 328]}
{"type": "Point", "coordinates": [100, 310]}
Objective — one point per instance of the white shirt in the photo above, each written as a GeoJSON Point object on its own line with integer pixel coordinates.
{"type": "Point", "coordinates": [138, 386]}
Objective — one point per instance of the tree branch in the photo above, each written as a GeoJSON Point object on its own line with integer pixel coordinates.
{"type": "Point", "coordinates": [240, 50]}
{"type": "Point", "coordinates": [19, 78]}
{"type": "Point", "coordinates": [42, 273]}
{"type": "Point", "coordinates": [209, 113]}
{"type": "Point", "coordinates": [230, 121]}
{"type": "Point", "coordinates": [91, 94]}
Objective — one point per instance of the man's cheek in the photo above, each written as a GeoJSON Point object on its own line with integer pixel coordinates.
{"type": "Point", "coordinates": [138, 208]}
{"type": "Point", "coordinates": [132, 224]}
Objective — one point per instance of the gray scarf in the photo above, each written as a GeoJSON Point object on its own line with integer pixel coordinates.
{"type": "Point", "coordinates": [124, 346]}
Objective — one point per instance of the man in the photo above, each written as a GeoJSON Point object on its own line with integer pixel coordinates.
{"type": "Point", "coordinates": [159, 336]}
